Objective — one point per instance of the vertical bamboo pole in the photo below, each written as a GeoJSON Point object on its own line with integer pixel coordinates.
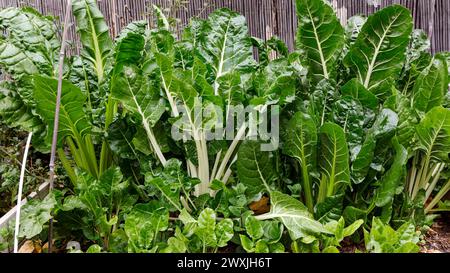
{"type": "Point", "coordinates": [57, 109]}
{"type": "Point", "coordinates": [115, 30]}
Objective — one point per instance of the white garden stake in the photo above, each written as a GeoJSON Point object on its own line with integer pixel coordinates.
{"type": "Point", "coordinates": [19, 194]}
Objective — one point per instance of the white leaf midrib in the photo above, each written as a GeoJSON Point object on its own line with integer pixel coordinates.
{"type": "Point", "coordinates": [322, 58]}
{"type": "Point", "coordinates": [377, 51]}
{"type": "Point", "coordinates": [222, 57]}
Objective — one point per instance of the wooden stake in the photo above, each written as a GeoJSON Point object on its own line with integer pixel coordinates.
{"type": "Point", "coordinates": [57, 109]}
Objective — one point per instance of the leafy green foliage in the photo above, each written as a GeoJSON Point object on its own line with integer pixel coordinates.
{"type": "Point", "coordinates": [391, 182]}
{"type": "Point", "coordinates": [143, 224]}
{"type": "Point", "coordinates": [226, 45]}
{"type": "Point", "coordinates": [255, 168]}
{"type": "Point", "coordinates": [328, 243]}
{"type": "Point", "coordinates": [358, 106]}
{"type": "Point", "coordinates": [172, 183]}
{"type": "Point", "coordinates": [301, 144]}
{"type": "Point", "coordinates": [30, 47]}
{"type": "Point", "coordinates": [377, 55]}
{"type": "Point", "coordinates": [431, 85]}
{"type": "Point", "coordinates": [94, 34]}
{"type": "Point", "coordinates": [320, 36]}
{"type": "Point", "coordinates": [334, 158]}
{"type": "Point", "coordinates": [99, 204]}
{"type": "Point", "coordinates": [293, 214]}
{"type": "Point", "coordinates": [383, 239]}
{"type": "Point", "coordinates": [433, 133]}
{"type": "Point", "coordinates": [72, 119]}
{"type": "Point", "coordinates": [202, 235]}
{"type": "Point", "coordinates": [35, 215]}
{"type": "Point", "coordinates": [263, 236]}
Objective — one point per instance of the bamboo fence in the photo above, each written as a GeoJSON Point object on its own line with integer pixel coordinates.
{"type": "Point", "coordinates": [265, 17]}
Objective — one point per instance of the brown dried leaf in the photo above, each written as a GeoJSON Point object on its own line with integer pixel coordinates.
{"type": "Point", "coordinates": [260, 207]}
{"type": "Point", "coordinates": [27, 247]}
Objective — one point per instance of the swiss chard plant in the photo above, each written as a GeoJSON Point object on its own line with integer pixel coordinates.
{"type": "Point", "coordinates": [29, 56]}
{"type": "Point", "coordinates": [374, 107]}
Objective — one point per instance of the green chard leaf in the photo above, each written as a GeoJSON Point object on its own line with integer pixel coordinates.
{"type": "Point", "coordinates": [320, 36]}
{"type": "Point", "coordinates": [433, 134]}
{"type": "Point", "coordinates": [294, 215]}
{"type": "Point", "coordinates": [72, 119]}
{"type": "Point", "coordinates": [378, 54]}
{"type": "Point", "coordinates": [94, 35]}
{"type": "Point", "coordinates": [143, 223]}
{"type": "Point", "coordinates": [170, 192]}
{"type": "Point", "coordinates": [136, 93]}
{"type": "Point", "coordinates": [254, 227]}
{"type": "Point", "coordinates": [391, 182]}
{"type": "Point", "coordinates": [407, 117]}
{"type": "Point", "coordinates": [224, 232]}
{"type": "Point", "coordinates": [32, 45]}
{"type": "Point", "coordinates": [226, 46]}
{"type": "Point", "coordinates": [431, 86]}
{"type": "Point", "coordinates": [120, 138]}
{"type": "Point", "coordinates": [384, 239]}
{"type": "Point", "coordinates": [255, 168]}
{"type": "Point", "coordinates": [206, 227]}
{"type": "Point", "coordinates": [301, 143]}
{"type": "Point", "coordinates": [276, 83]}
{"type": "Point", "coordinates": [334, 157]}
{"type": "Point", "coordinates": [35, 214]}
{"type": "Point", "coordinates": [419, 45]}
{"type": "Point", "coordinates": [385, 125]}
{"type": "Point", "coordinates": [357, 91]}
{"type": "Point", "coordinates": [128, 50]}
{"type": "Point", "coordinates": [330, 209]}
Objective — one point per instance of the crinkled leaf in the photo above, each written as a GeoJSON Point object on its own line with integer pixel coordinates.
{"type": "Point", "coordinates": [94, 35]}
{"type": "Point", "coordinates": [392, 180]}
{"type": "Point", "coordinates": [227, 46]}
{"type": "Point", "coordinates": [120, 138]}
{"type": "Point", "coordinates": [330, 209]}
{"type": "Point", "coordinates": [431, 86]}
{"type": "Point", "coordinates": [224, 232]}
{"type": "Point", "coordinates": [35, 214]}
{"type": "Point", "coordinates": [247, 243]}
{"type": "Point", "coordinates": [255, 168]}
{"type": "Point", "coordinates": [137, 95]}
{"type": "Point", "coordinates": [273, 230]}
{"type": "Point", "coordinates": [142, 223]}
{"type": "Point", "coordinates": [294, 215]}
{"type": "Point", "coordinates": [334, 157]}
{"type": "Point", "coordinates": [320, 36]}
{"type": "Point", "coordinates": [206, 227]}
{"type": "Point", "coordinates": [72, 120]}
{"type": "Point", "coordinates": [433, 134]}
{"type": "Point", "coordinates": [356, 90]}
{"type": "Point", "coordinates": [261, 247]}
{"type": "Point", "coordinates": [377, 56]}
{"type": "Point", "coordinates": [254, 228]}
{"type": "Point", "coordinates": [276, 83]}
{"type": "Point", "coordinates": [170, 192]}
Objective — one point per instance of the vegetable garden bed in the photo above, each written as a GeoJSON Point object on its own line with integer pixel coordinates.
{"type": "Point", "coordinates": [192, 144]}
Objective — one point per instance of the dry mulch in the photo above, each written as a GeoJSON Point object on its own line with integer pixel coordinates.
{"type": "Point", "coordinates": [437, 239]}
